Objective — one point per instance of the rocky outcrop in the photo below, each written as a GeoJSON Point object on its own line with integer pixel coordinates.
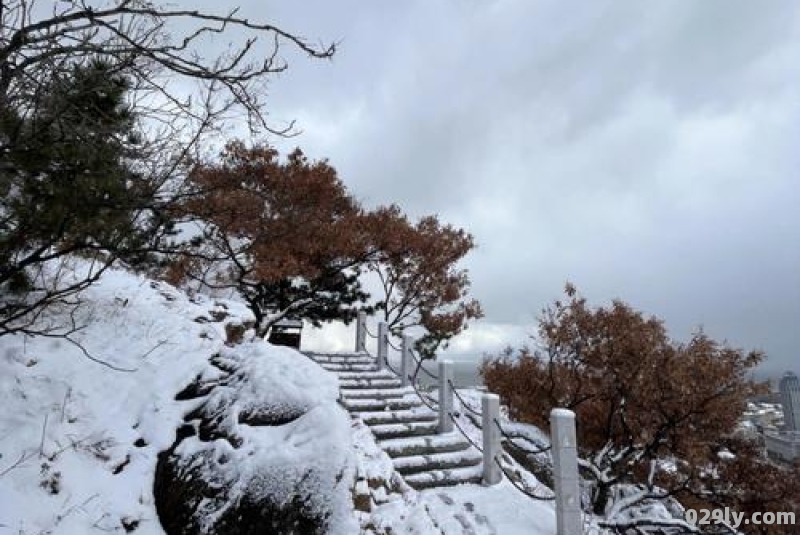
{"type": "Point", "coordinates": [260, 451]}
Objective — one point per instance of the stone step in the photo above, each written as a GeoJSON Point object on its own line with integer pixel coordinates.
{"type": "Point", "coordinates": [404, 427]}
{"type": "Point", "coordinates": [378, 393]}
{"type": "Point", "coordinates": [437, 461]}
{"type": "Point", "coordinates": [445, 478]}
{"type": "Point", "coordinates": [350, 360]}
{"type": "Point", "coordinates": [339, 367]}
{"type": "Point", "coordinates": [402, 447]}
{"type": "Point", "coordinates": [390, 404]}
{"type": "Point", "coordinates": [400, 416]}
{"type": "Point", "coordinates": [335, 355]}
{"type": "Point", "coordinates": [347, 367]}
{"type": "Point", "coordinates": [361, 384]}
{"type": "Point", "coordinates": [374, 374]}
{"type": "Point", "coordinates": [403, 430]}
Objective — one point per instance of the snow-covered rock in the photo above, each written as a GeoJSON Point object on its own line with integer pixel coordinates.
{"type": "Point", "coordinates": [267, 450]}
{"type": "Point", "coordinates": [79, 441]}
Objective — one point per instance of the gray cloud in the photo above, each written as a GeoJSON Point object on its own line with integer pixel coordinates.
{"type": "Point", "coordinates": [642, 151]}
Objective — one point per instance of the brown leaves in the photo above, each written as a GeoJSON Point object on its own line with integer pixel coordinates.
{"type": "Point", "coordinates": [273, 220]}
{"type": "Point", "coordinates": [629, 383]}
{"type": "Point", "coordinates": [743, 478]}
{"type": "Point", "coordinates": [417, 265]}
{"type": "Point", "coordinates": [295, 216]}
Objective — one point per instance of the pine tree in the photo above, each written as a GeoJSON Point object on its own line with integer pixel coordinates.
{"type": "Point", "coordinates": [69, 185]}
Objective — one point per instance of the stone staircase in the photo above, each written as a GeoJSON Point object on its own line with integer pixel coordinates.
{"type": "Point", "coordinates": [404, 427]}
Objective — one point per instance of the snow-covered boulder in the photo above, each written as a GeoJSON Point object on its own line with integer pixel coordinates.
{"type": "Point", "coordinates": [265, 449]}
{"type": "Point", "coordinates": [83, 420]}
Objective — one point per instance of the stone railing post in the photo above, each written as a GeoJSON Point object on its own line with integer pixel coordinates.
{"type": "Point", "coordinates": [490, 403]}
{"type": "Point", "coordinates": [383, 345]}
{"type": "Point", "coordinates": [445, 396]}
{"type": "Point", "coordinates": [405, 363]}
{"type": "Point", "coordinates": [565, 472]}
{"type": "Point", "coordinates": [361, 332]}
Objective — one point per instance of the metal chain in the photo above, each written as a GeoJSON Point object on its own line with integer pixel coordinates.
{"type": "Point", "coordinates": [519, 487]}
{"type": "Point", "coordinates": [511, 439]}
{"type": "Point", "coordinates": [499, 464]}
{"type": "Point", "coordinates": [366, 330]}
{"type": "Point", "coordinates": [474, 421]}
{"type": "Point", "coordinates": [425, 401]}
{"type": "Point", "coordinates": [389, 342]}
{"type": "Point", "coordinates": [463, 402]}
{"type": "Point", "coordinates": [418, 362]}
{"type": "Point", "coordinates": [510, 436]}
{"type": "Point", "coordinates": [389, 365]}
{"type": "Point", "coordinates": [461, 429]}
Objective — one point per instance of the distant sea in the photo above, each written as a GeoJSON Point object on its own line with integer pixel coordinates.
{"type": "Point", "coordinates": [465, 372]}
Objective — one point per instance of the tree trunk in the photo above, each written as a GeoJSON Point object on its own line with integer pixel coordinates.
{"type": "Point", "coordinates": [600, 498]}
{"type": "Point", "coordinates": [258, 324]}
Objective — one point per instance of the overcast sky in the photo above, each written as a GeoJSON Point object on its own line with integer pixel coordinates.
{"type": "Point", "coordinates": [647, 151]}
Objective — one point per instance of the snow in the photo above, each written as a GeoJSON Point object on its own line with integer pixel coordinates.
{"type": "Point", "coordinates": [425, 442]}
{"type": "Point", "coordinates": [355, 383]}
{"type": "Point", "coordinates": [726, 455]}
{"type": "Point", "coordinates": [422, 460]}
{"type": "Point", "coordinates": [471, 509]}
{"type": "Point", "coordinates": [308, 456]}
{"type": "Point", "coordinates": [79, 441]}
{"type": "Point", "coordinates": [467, 509]}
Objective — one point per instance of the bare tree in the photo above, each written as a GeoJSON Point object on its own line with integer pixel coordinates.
{"type": "Point", "coordinates": [179, 97]}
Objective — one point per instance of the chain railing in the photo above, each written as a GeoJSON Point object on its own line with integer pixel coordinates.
{"type": "Point", "coordinates": [518, 485]}
{"type": "Point", "coordinates": [427, 401]}
{"type": "Point", "coordinates": [566, 490]}
{"type": "Point", "coordinates": [384, 360]}
{"type": "Point", "coordinates": [512, 437]}
{"type": "Point", "coordinates": [389, 341]}
{"type": "Point", "coordinates": [413, 381]}
{"type": "Point", "coordinates": [463, 432]}
{"type": "Point", "coordinates": [369, 333]}
{"type": "Point", "coordinates": [419, 366]}
{"type": "Point", "coordinates": [393, 369]}
{"type": "Point", "coordinates": [463, 401]}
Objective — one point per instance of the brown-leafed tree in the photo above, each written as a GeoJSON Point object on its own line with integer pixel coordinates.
{"type": "Point", "coordinates": [746, 480]}
{"type": "Point", "coordinates": [286, 235]}
{"type": "Point", "coordinates": [422, 285]}
{"type": "Point", "coordinates": [650, 411]}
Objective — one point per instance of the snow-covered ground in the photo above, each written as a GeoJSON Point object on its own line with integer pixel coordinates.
{"type": "Point", "coordinates": [79, 440]}
{"type": "Point", "coordinates": [465, 509]}
{"type": "Point", "coordinates": [469, 509]}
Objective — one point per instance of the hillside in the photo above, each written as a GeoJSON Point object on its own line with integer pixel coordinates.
{"type": "Point", "coordinates": [83, 425]}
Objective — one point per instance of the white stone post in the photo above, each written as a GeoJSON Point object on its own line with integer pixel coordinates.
{"type": "Point", "coordinates": [383, 344]}
{"type": "Point", "coordinates": [405, 363]}
{"type": "Point", "coordinates": [490, 403]}
{"type": "Point", "coordinates": [361, 332]}
{"type": "Point", "coordinates": [565, 472]}
{"type": "Point", "coordinates": [445, 396]}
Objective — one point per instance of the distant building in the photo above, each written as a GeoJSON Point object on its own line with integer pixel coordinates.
{"type": "Point", "coordinates": [782, 446]}
{"type": "Point", "coordinates": [789, 387]}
